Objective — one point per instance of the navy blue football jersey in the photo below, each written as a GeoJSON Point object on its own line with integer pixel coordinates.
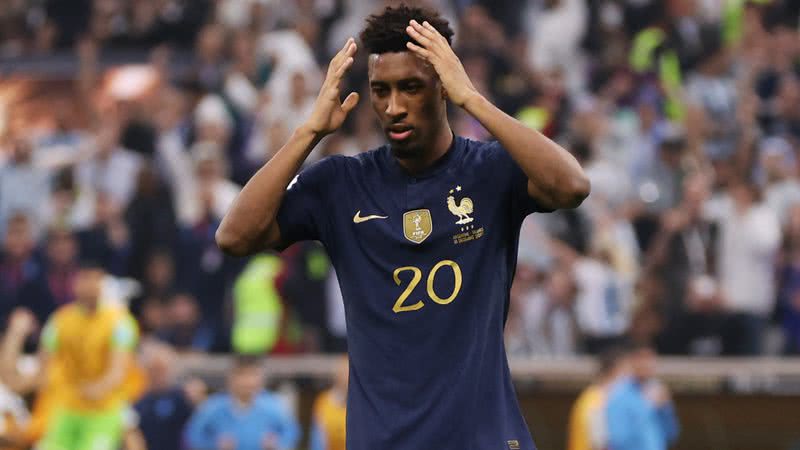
{"type": "Point", "coordinates": [425, 264]}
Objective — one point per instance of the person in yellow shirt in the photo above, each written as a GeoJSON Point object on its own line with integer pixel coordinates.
{"type": "Point", "coordinates": [587, 425]}
{"type": "Point", "coordinates": [86, 351]}
{"type": "Point", "coordinates": [329, 412]}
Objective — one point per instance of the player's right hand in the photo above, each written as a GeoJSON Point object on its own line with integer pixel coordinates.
{"type": "Point", "coordinates": [329, 111]}
{"type": "Point", "coordinates": [22, 322]}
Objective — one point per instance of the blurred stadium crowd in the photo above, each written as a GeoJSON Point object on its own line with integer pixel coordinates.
{"type": "Point", "coordinates": [684, 113]}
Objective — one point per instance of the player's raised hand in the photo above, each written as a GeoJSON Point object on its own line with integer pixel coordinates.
{"type": "Point", "coordinates": [329, 111]}
{"type": "Point", "coordinates": [434, 49]}
{"type": "Point", "coordinates": [22, 322]}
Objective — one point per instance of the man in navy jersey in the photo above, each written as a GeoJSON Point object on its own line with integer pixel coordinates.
{"type": "Point", "coordinates": [423, 234]}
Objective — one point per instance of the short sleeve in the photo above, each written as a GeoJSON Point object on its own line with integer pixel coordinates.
{"type": "Point", "coordinates": [302, 214]}
{"type": "Point", "coordinates": [49, 337]}
{"type": "Point", "coordinates": [522, 204]}
{"type": "Point", "coordinates": [124, 335]}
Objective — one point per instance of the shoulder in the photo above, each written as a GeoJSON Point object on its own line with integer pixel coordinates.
{"type": "Point", "coordinates": [365, 160]}
{"type": "Point", "coordinates": [216, 402]}
{"type": "Point", "coordinates": [482, 152]}
{"type": "Point", "coordinates": [270, 401]}
{"type": "Point", "coordinates": [320, 170]}
{"type": "Point", "coordinates": [621, 388]}
{"type": "Point", "coordinates": [64, 313]}
{"type": "Point", "coordinates": [330, 167]}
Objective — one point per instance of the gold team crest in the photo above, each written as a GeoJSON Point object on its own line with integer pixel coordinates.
{"type": "Point", "coordinates": [417, 225]}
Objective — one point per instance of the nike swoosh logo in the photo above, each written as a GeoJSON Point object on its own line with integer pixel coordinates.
{"type": "Point", "coordinates": [358, 219]}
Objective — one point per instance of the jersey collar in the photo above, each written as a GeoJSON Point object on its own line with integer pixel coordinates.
{"type": "Point", "coordinates": [441, 164]}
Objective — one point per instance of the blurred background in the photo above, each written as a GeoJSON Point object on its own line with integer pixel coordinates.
{"type": "Point", "coordinates": [127, 127]}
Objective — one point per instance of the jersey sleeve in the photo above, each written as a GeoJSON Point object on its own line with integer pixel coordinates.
{"type": "Point", "coordinates": [49, 337]}
{"type": "Point", "coordinates": [303, 214]}
{"type": "Point", "coordinates": [124, 336]}
{"type": "Point", "coordinates": [516, 181]}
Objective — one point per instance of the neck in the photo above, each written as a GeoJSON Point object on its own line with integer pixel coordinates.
{"type": "Point", "coordinates": [438, 149]}
{"type": "Point", "coordinates": [89, 307]}
{"type": "Point", "coordinates": [243, 402]}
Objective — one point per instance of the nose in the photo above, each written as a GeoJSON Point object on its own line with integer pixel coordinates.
{"type": "Point", "coordinates": [395, 106]}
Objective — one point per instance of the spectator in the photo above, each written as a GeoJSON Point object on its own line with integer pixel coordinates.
{"type": "Point", "coordinates": [548, 318]}
{"type": "Point", "coordinates": [781, 185]}
{"type": "Point", "coordinates": [329, 411]}
{"type": "Point", "coordinates": [107, 240]}
{"type": "Point", "coordinates": [258, 308]}
{"type": "Point", "coordinates": [587, 421]}
{"type": "Point", "coordinates": [603, 301]}
{"type": "Point", "coordinates": [159, 275]}
{"type": "Point", "coordinates": [112, 170]}
{"type": "Point", "coordinates": [639, 410]}
{"type": "Point", "coordinates": [185, 328]}
{"type": "Point", "coordinates": [18, 267]}
{"type": "Point", "coordinates": [55, 285]}
{"type": "Point", "coordinates": [150, 221]}
{"type": "Point", "coordinates": [246, 417]}
{"type": "Point", "coordinates": [683, 257]}
{"type": "Point", "coordinates": [24, 186]}
{"type": "Point", "coordinates": [789, 286]}
{"type": "Point", "coordinates": [165, 408]}
{"type": "Point", "coordinates": [749, 238]}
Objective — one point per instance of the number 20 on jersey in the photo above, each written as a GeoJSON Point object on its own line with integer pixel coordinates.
{"type": "Point", "coordinates": [401, 306]}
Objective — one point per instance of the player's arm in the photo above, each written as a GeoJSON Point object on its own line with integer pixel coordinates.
{"type": "Point", "coordinates": [123, 342]}
{"type": "Point", "coordinates": [250, 226]}
{"type": "Point", "coordinates": [21, 325]}
{"type": "Point", "coordinates": [555, 179]}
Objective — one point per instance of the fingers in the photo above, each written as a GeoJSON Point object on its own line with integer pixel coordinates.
{"type": "Point", "coordinates": [416, 32]}
{"type": "Point", "coordinates": [424, 33]}
{"type": "Point", "coordinates": [342, 55]}
{"type": "Point", "coordinates": [343, 68]}
{"type": "Point", "coordinates": [350, 102]}
{"type": "Point", "coordinates": [419, 51]}
{"type": "Point", "coordinates": [339, 65]}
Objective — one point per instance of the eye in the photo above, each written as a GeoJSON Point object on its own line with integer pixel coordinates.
{"type": "Point", "coordinates": [379, 91]}
{"type": "Point", "coordinates": [412, 88]}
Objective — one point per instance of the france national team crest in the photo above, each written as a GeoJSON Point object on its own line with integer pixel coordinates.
{"type": "Point", "coordinates": [463, 208]}
{"type": "Point", "coordinates": [417, 225]}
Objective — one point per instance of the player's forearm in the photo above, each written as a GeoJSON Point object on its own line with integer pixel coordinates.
{"type": "Point", "coordinates": [555, 178]}
{"type": "Point", "coordinates": [113, 377]}
{"type": "Point", "coordinates": [249, 226]}
{"type": "Point", "coordinates": [10, 352]}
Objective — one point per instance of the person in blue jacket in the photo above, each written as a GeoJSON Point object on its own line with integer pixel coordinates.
{"type": "Point", "coordinates": [245, 418]}
{"type": "Point", "coordinates": [639, 410]}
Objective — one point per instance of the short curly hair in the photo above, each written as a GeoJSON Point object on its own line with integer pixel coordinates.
{"type": "Point", "coordinates": [386, 31]}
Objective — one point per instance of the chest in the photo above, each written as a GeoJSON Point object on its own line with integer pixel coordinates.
{"type": "Point", "coordinates": [444, 214]}
{"type": "Point", "coordinates": [84, 338]}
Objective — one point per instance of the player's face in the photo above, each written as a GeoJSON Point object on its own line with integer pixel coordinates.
{"type": "Point", "coordinates": [643, 363]}
{"type": "Point", "coordinates": [407, 96]}
{"type": "Point", "coordinates": [245, 382]}
{"type": "Point", "coordinates": [88, 285]}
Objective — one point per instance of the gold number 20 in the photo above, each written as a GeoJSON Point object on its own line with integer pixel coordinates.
{"type": "Point", "coordinates": [417, 276]}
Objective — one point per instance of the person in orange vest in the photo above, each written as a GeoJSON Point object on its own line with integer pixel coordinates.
{"type": "Point", "coordinates": [329, 411]}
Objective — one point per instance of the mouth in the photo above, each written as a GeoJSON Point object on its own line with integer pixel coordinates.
{"type": "Point", "coordinates": [400, 132]}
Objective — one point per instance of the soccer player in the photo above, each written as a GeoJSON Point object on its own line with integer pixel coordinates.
{"type": "Point", "coordinates": [423, 234]}
{"type": "Point", "coordinates": [87, 352]}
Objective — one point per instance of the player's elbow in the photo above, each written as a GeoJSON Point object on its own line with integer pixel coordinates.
{"type": "Point", "coordinates": [574, 191]}
{"type": "Point", "coordinates": [579, 189]}
{"type": "Point", "coordinates": [231, 242]}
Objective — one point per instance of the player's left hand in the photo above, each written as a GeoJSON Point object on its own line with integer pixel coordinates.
{"type": "Point", "coordinates": [435, 50]}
